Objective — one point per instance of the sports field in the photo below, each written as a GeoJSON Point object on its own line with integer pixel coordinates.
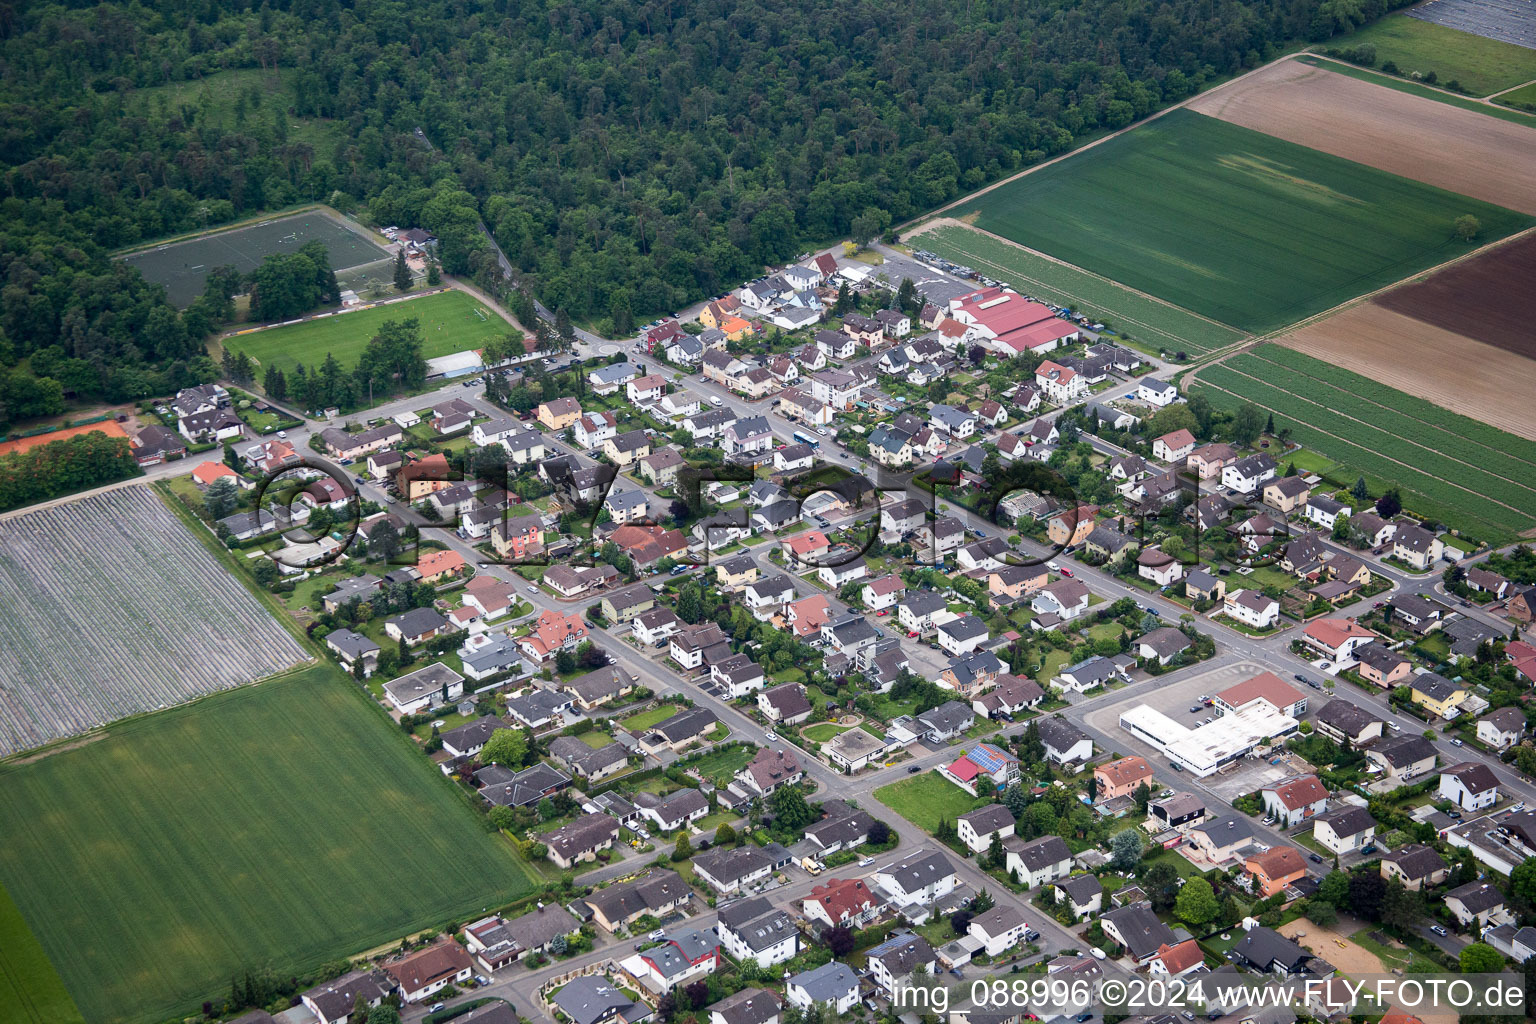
{"type": "Point", "coordinates": [280, 825]}
{"type": "Point", "coordinates": [1230, 223]}
{"type": "Point", "coordinates": [183, 266]}
{"type": "Point", "coordinates": [1466, 473]}
{"type": "Point", "coordinates": [1480, 65]}
{"type": "Point", "coordinates": [1155, 324]}
{"type": "Point", "coordinates": [451, 321]}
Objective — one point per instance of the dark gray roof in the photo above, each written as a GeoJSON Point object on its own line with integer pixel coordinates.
{"type": "Point", "coordinates": [1477, 896]}
{"type": "Point", "coordinates": [587, 832]}
{"type": "Point", "coordinates": [1265, 947]}
{"type": "Point", "coordinates": [1226, 831]}
{"type": "Point", "coordinates": [1043, 852]}
{"type": "Point", "coordinates": [903, 954]}
{"type": "Point", "coordinates": [1346, 717]}
{"type": "Point", "coordinates": [1141, 929]}
{"type": "Point", "coordinates": [336, 997]}
{"type": "Point", "coordinates": [923, 602]}
{"type": "Point", "coordinates": [1165, 641]}
{"type": "Point", "coordinates": [650, 893]}
{"type": "Point", "coordinates": [919, 870]}
{"type": "Point", "coordinates": [827, 983]}
{"type": "Point", "coordinates": [1416, 860]}
{"type": "Point", "coordinates": [687, 723]}
{"type": "Point", "coordinates": [473, 734]}
{"type": "Point", "coordinates": [1059, 734]}
{"type": "Point", "coordinates": [729, 865]}
{"type": "Point", "coordinates": [1474, 775]}
{"type": "Point", "coordinates": [749, 1006]}
{"type": "Point", "coordinates": [352, 643]}
{"type": "Point", "coordinates": [1378, 656]}
{"type": "Point", "coordinates": [966, 627]}
{"type": "Point", "coordinates": [1348, 821]}
{"type": "Point", "coordinates": [1404, 751]}
{"type": "Point", "coordinates": [990, 818]}
{"type": "Point", "coordinates": [947, 717]}
{"type": "Point", "coordinates": [587, 1000]}
{"type": "Point", "coordinates": [1081, 888]}
{"type": "Point", "coordinates": [766, 927]}
{"type": "Point", "coordinates": [418, 621]}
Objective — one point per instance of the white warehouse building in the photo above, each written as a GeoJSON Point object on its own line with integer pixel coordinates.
{"type": "Point", "coordinates": [1205, 750]}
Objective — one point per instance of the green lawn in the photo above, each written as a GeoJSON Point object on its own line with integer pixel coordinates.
{"type": "Point", "coordinates": [646, 719]}
{"type": "Point", "coordinates": [1523, 97]}
{"type": "Point", "coordinates": [595, 740]}
{"type": "Point", "coordinates": [267, 826]}
{"type": "Point", "coordinates": [1055, 661]}
{"type": "Point", "coordinates": [823, 732]}
{"type": "Point", "coordinates": [924, 799]}
{"type": "Point", "coordinates": [1310, 462]}
{"type": "Point", "coordinates": [1479, 64]}
{"type": "Point", "coordinates": [450, 322]}
{"type": "Point", "coordinates": [1465, 473]}
{"type": "Point", "coordinates": [720, 766]}
{"type": "Point", "coordinates": [1230, 223]}
{"type": "Point", "coordinates": [1161, 326]}
{"type": "Point", "coordinates": [31, 991]}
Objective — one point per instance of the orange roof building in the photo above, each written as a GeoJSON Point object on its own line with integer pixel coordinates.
{"type": "Point", "coordinates": [208, 472]}
{"type": "Point", "coordinates": [1266, 686]}
{"type": "Point", "coordinates": [1120, 778]}
{"type": "Point", "coordinates": [553, 631]}
{"type": "Point", "coordinates": [1275, 869]}
{"type": "Point", "coordinates": [434, 565]}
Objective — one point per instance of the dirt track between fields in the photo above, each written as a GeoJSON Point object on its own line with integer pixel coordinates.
{"type": "Point", "coordinates": [1448, 369]}
{"type": "Point", "coordinates": [1436, 143]}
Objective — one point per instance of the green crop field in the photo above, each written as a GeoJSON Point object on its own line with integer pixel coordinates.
{"type": "Point", "coordinates": [451, 321]}
{"type": "Point", "coordinates": [1155, 324]}
{"type": "Point", "coordinates": [1480, 65]}
{"type": "Point", "coordinates": [1468, 474]}
{"type": "Point", "coordinates": [31, 991]}
{"type": "Point", "coordinates": [1523, 97]}
{"type": "Point", "coordinates": [1230, 223]}
{"type": "Point", "coordinates": [279, 825]}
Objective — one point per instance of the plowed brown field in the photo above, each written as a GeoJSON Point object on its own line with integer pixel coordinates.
{"type": "Point", "coordinates": [1449, 147]}
{"type": "Point", "coordinates": [1449, 369]}
{"type": "Point", "coordinates": [1490, 298]}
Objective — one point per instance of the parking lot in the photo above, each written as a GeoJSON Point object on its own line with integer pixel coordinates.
{"type": "Point", "coordinates": [1175, 700]}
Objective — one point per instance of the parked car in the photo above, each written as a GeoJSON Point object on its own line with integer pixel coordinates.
{"type": "Point", "coordinates": [1438, 929]}
{"type": "Point", "coordinates": [913, 770]}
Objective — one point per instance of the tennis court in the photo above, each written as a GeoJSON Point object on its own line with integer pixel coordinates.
{"type": "Point", "coordinates": [183, 266]}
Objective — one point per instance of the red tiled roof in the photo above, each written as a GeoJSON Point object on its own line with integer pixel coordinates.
{"type": "Point", "coordinates": [1266, 685]}
{"type": "Point", "coordinates": [1299, 792]}
{"type": "Point", "coordinates": [1180, 957]}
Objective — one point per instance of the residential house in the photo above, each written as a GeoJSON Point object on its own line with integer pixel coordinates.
{"type": "Point", "coordinates": [627, 447]}
{"type": "Point", "coordinates": [1415, 865]}
{"type": "Point", "coordinates": [1325, 512]}
{"type": "Point", "coordinates": [1252, 608]}
{"type": "Point", "coordinates": [1287, 494]}
{"type": "Point", "coordinates": [1158, 566]}
{"type": "Point", "coordinates": [553, 632]}
{"type": "Point", "coordinates": [832, 986]}
{"type": "Point", "coordinates": [1502, 729]}
{"type": "Point", "coordinates": [1122, 777]}
{"type": "Point", "coordinates": [1347, 724]}
{"type": "Point", "coordinates": [619, 905]}
{"type": "Point", "coordinates": [848, 902]}
{"type": "Point", "coordinates": [1247, 475]}
{"type": "Point", "coordinates": [946, 722]}
{"type": "Point", "coordinates": [427, 972]}
{"type": "Point", "coordinates": [893, 961]}
{"type": "Point", "coordinates": [1177, 961]}
{"type": "Point", "coordinates": [1220, 839]}
{"type": "Point", "coordinates": [1065, 743]}
{"type": "Point", "coordinates": [1344, 830]}
{"type": "Point", "coordinates": [585, 762]}
{"type": "Point", "coordinates": [1163, 644]}
{"type": "Point", "coordinates": [1377, 663]}
{"type": "Point", "coordinates": [1437, 695]}
{"type": "Point", "coordinates": [1156, 392]}
{"type": "Point", "coordinates": [1292, 801]}
{"type": "Point", "coordinates": [1070, 526]}
{"type": "Point", "coordinates": [748, 1006]}
{"type": "Point", "coordinates": [1082, 894]}
{"type": "Point", "coordinates": [1174, 446]}
{"type": "Point", "coordinates": [1477, 903]}
{"type": "Point", "coordinates": [978, 828]}
{"type": "Point", "coordinates": [1065, 600]}
{"type": "Point", "coordinates": [662, 467]}
{"type": "Point", "coordinates": [918, 879]}
{"type": "Point", "coordinates": [1471, 785]}
{"type": "Point", "coordinates": [999, 929]}
{"type": "Point", "coordinates": [754, 929]}
{"type": "Point", "coordinates": [1402, 758]}
{"type": "Point", "coordinates": [1038, 861]}
{"type": "Point", "coordinates": [1417, 547]}
{"type": "Point", "coordinates": [1137, 929]}
{"type": "Point", "coordinates": [582, 839]}
{"type": "Point", "coordinates": [1207, 461]}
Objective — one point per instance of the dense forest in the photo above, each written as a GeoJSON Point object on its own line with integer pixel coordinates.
{"type": "Point", "coordinates": [627, 157]}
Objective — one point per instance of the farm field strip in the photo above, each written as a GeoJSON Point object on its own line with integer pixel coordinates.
{"type": "Point", "coordinates": [1165, 326]}
{"type": "Point", "coordinates": [1439, 498]}
{"type": "Point", "coordinates": [1230, 223]}
{"type": "Point", "coordinates": [1482, 65]}
{"type": "Point", "coordinates": [31, 991]}
{"type": "Point", "coordinates": [1390, 423]}
{"type": "Point", "coordinates": [1415, 89]}
{"type": "Point", "coordinates": [280, 825]}
{"type": "Point", "coordinates": [1382, 394]}
{"type": "Point", "coordinates": [451, 321]}
{"type": "Point", "coordinates": [1488, 158]}
{"type": "Point", "coordinates": [1399, 449]}
{"type": "Point", "coordinates": [114, 609]}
